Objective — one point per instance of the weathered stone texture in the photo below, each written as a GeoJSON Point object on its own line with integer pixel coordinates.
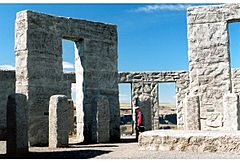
{"type": "Point", "coordinates": [231, 112]}
{"type": "Point", "coordinates": [17, 124]}
{"type": "Point", "coordinates": [209, 65]}
{"type": "Point", "coordinates": [146, 84]}
{"type": "Point", "coordinates": [192, 113]}
{"type": "Point", "coordinates": [59, 112]}
{"type": "Point", "coordinates": [190, 141]}
{"type": "Point", "coordinates": [147, 111]}
{"type": "Point", "coordinates": [7, 87]}
{"type": "Point", "coordinates": [39, 73]}
{"type": "Point", "coordinates": [162, 76]}
{"type": "Point", "coordinates": [148, 91]}
{"type": "Point", "coordinates": [101, 120]}
{"type": "Point", "coordinates": [236, 80]}
{"type": "Point", "coordinates": [213, 14]}
{"type": "Point", "coordinates": [70, 119]}
{"type": "Point", "coordinates": [182, 90]}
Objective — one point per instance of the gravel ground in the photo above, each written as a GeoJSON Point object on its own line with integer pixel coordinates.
{"type": "Point", "coordinates": [121, 150]}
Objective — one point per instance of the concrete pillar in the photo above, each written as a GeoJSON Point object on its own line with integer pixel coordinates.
{"type": "Point", "coordinates": [146, 110]}
{"type": "Point", "coordinates": [192, 113]}
{"type": "Point", "coordinates": [101, 131]}
{"type": "Point", "coordinates": [58, 125]}
{"type": "Point", "coordinates": [71, 116]}
{"type": "Point", "coordinates": [231, 112]}
{"type": "Point", "coordinates": [17, 124]}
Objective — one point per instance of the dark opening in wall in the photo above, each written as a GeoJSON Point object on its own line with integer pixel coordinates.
{"type": "Point", "coordinates": [167, 105]}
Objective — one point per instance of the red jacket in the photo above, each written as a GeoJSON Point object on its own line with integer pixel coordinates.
{"type": "Point", "coordinates": [139, 118]}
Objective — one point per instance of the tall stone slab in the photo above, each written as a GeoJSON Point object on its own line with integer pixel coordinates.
{"type": "Point", "coordinates": [209, 65]}
{"type": "Point", "coordinates": [146, 110]}
{"type": "Point", "coordinates": [17, 124]}
{"type": "Point", "coordinates": [39, 71]}
{"type": "Point", "coordinates": [231, 120]}
{"type": "Point", "coordinates": [71, 120]}
{"type": "Point", "coordinates": [182, 90]}
{"type": "Point", "coordinates": [101, 120]}
{"type": "Point", "coordinates": [7, 87]}
{"type": "Point", "coordinates": [192, 113]}
{"type": "Point", "coordinates": [59, 112]}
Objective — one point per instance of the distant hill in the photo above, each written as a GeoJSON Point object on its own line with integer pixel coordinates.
{"type": "Point", "coordinates": [165, 108]}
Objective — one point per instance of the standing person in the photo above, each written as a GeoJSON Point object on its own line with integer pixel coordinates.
{"type": "Point", "coordinates": [139, 121]}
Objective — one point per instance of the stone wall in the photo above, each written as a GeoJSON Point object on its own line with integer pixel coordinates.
{"type": "Point", "coordinates": [146, 84]}
{"type": "Point", "coordinates": [236, 80]}
{"type": "Point", "coordinates": [39, 71]}
{"type": "Point", "coordinates": [39, 75]}
{"type": "Point", "coordinates": [7, 87]}
{"type": "Point", "coordinates": [190, 141]}
{"type": "Point", "coordinates": [209, 65]}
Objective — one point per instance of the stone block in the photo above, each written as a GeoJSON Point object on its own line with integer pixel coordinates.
{"type": "Point", "coordinates": [7, 87]}
{"type": "Point", "coordinates": [231, 112]}
{"type": "Point", "coordinates": [192, 113]}
{"type": "Point", "coordinates": [71, 116]}
{"type": "Point", "coordinates": [190, 141]}
{"type": "Point", "coordinates": [58, 121]}
{"type": "Point", "coordinates": [147, 111]}
{"type": "Point", "coordinates": [102, 120]}
{"type": "Point", "coordinates": [214, 119]}
{"type": "Point", "coordinates": [17, 124]}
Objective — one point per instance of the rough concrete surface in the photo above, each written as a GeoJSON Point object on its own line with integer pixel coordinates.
{"type": "Point", "coordinates": [190, 141]}
{"type": "Point", "coordinates": [116, 151]}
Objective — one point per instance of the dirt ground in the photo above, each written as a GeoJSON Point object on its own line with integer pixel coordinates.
{"type": "Point", "coordinates": [127, 148]}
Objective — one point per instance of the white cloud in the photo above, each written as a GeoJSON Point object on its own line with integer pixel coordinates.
{"type": "Point", "coordinates": [162, 7]}
{"type": "Point", "coordinates": [67, 65]}
{"type": "Point", "coordinates": [7, 67]}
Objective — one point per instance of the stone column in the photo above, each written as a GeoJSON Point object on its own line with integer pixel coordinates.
{"type": "Point", "coordinates": [146, 110]}
{"type": "Point", "coordinates": [182, 90]}
{"type": "Point", "coordinates": [7, 87]}
{"type": "Point", "coordinates": [231, 112]}
{"type": "Point", "coordinates": [192, 113]}
{"type": "Point", "coordinates": [17, 124]}
{"type": "Point", "coordinates": [71, 116]}
{"type": "Point", "coordinates": [58, 125]}
{"type": "Point", "coordinates": [101, 122]}
{"type": "Point", "coordinates": [79, 70]}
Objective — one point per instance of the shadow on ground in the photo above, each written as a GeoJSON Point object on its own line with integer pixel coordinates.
{"type": "Point", "coordinates": [128, 140]}
{"type": "Point", "coordinates": [79, 154]}
{"type": "Point", "coordinates": [91, 146]}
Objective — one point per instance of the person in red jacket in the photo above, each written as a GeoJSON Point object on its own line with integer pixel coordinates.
{"type": "Point", "coordinates": [139, 121]}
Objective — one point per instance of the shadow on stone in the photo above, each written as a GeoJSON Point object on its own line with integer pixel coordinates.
{"type": "Point", "coordinates": [79, 154]}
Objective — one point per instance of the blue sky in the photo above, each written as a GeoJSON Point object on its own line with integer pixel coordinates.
{"type": "Point", "coordinates": [152, 37]}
